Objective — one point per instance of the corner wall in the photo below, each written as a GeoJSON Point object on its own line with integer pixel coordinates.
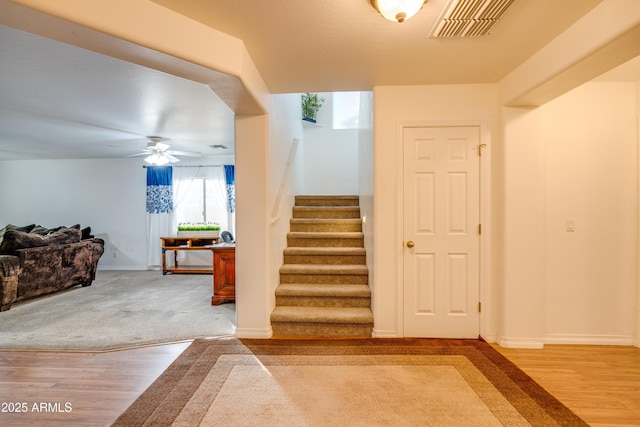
{"type": "Point", "coordinates": [571, 162]}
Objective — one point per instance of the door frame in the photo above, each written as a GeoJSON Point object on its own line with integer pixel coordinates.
{"type": "Point", "coordinates": [488, 292]}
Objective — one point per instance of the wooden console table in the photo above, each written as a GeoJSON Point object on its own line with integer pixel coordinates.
{"type": "Point", "coordinates": [224, 273]}
{"type": "Point", "coordinates": [176, 244]}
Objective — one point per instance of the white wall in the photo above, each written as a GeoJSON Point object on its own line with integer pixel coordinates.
{"type": "Point", "coordinates": [109, 195]}
{"type": "Point", "coordinates": [445, 104]}
{"type": "Point", "coordinates": [330, 161]}
{"type": "Point", "coordinates": [591, 167]}
{"type": "Point", "coordinates": [575, 158]}
{"type": "Point", "coordinates": [365, 178]}
{"type": "Point", "coordinates": [284, 126]}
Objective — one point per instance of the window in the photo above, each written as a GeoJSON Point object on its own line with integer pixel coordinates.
{"type": "Point", "coordinates": [200, 195]}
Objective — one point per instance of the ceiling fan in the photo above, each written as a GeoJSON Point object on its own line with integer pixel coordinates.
{"type": "Point", "coordinates": [158, 153]}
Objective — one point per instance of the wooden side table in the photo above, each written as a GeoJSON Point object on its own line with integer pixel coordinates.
{"type": "Point", "coordinates": [224, 273]}
{"type": "Point", "coordinates": [176, 244]}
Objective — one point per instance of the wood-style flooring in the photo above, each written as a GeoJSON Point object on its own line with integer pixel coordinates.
{"type": "Point", "coordinates": [600, 384]}
{"type": "Point", "coordinates": [58, 389]}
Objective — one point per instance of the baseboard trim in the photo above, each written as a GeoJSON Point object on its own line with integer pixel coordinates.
{"type": "Point", "coordinates": [254, 333]}
{"type": "Point", "coordinates": [509, 342]}
{"type": "Point", "coordinates": [125, 268]}
{"type": "Point", "coordinates": [384, 334]}
{"type": "Point", "coordinates": [589, 339]}
{"type": "Point", "coordinates": [490, 338]}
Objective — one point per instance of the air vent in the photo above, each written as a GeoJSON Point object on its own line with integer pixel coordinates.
{"type": "Point", "coordinates": [219, 147]}
{"type": "Point", "coordinates": [469, 18]}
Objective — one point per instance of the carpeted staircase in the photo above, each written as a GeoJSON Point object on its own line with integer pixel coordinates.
{"type": "Point", "coordinates": [324, 282]}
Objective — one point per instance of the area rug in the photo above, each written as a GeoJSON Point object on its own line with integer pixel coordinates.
{"type": "Point", "coordinates": [121, 309]}
{"type": "Point", "coordinates": [355, 382]}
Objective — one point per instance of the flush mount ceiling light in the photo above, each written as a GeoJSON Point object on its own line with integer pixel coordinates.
{"type": "Point", "coordinates": [398, 10]}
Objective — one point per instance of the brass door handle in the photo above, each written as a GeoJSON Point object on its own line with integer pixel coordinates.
{"type": "Point", "coordinates": [410, 244]}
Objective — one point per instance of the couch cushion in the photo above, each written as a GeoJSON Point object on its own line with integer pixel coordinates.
{"type": "Point", "coordinates": [38, 229]}
{"type": "Point", "coordinates": [25, 228]}
{"type": "Point", "coordinates": [63, 235]}
{"type": "Point", "coordinates": [14, 240]}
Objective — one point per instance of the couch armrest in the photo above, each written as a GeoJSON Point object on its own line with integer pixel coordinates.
{"type": "Point", "coordinates": [9, 271]}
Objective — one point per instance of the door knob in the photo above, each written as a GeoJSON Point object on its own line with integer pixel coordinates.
{"type": "Point", "coordinates": [410, 244]}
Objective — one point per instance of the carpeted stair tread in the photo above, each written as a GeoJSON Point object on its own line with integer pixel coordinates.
{"type": "Point", "coordinates": [326, 220]}
{"type": "Point", "coordinates": [320, 290]}
{"type": "Point", "coordinates": [326, 224]}
{"type": "Point", "coordinates": [325, 234]}
{"type": "Point", "coordinates": [327, 200]}
{"type": "Point", "coordinates": [336, 212]}
{"type": "Point", "coordinates": [328, 269]}
{"type": "Point", "coordinates": [323, 288]}
{"type": "Point", "coordinates": [319, 250]}
{"type": "Point", "coordinates": [337, 315]}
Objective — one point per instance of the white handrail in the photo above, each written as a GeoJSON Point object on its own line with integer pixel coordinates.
{"type": "Point", "coordinates": [284, 182]}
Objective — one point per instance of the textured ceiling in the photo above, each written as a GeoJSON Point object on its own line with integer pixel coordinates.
{"type": "Point", "coordinates": [59, 101]}
{"type": "Point", "coordinates": [335, 45]}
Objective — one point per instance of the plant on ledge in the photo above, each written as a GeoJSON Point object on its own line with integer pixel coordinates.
{"type": "Point", "coordinates": [198, 229]}
{"type": "Point", "coordinates": [311, 103]}
{"type": "Point", "coordinates": [198, 226]}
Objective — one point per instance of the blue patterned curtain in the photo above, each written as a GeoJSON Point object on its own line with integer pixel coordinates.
{"type": "Point", "coordinates": [159, 189]}
{"type": "Point", "coordinates": [230, 179]}
{"type": "Point", "coordinates": [230, 182]}
{"type": "Point", "coordinates": [160, 215]}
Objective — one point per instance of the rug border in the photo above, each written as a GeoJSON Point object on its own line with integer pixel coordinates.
{"type": "Point", "coordinates": [166, 396]}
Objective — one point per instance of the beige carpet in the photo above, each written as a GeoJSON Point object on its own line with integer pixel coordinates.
{"type": "Point", "coordinates": [355, 382]}
{"type": "Point", "coordinates": [121, 309]}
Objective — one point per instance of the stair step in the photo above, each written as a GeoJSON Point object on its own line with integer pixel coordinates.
{"type": "Point", "coordinates": [323, 288]}
{"type": "Point", "coordinates": [325, 239]}
{"type": "Point", "coordinates": [322, 315]}
{"type": "Point", "coordinates": [327, 200]}
{"type": "Point", "coordinates": [321, 295]}
{"type": "Point", "coordinates": [324, 269]}
{"type": "Point", "coordinates": [326, 212]}
{"type": "Point", "coordinates": [326, 224]}
{"type": "Point", "coordinates": [322, 321]}
{"type": "Point", "coordinates": [319, 290]}
{"type": "Point", "coordinates": [322, 255]}
{"type": "Point", "coordinates": [323, 273]}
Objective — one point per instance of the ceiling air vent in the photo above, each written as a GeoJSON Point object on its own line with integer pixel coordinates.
{"type": "Point", "coordinates": [469, 18]}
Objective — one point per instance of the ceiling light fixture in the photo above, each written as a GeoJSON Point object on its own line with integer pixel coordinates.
{"type": "Point", "coordinates": [398, 10]}
{"type": "Point", "coordinates": [157, 159]}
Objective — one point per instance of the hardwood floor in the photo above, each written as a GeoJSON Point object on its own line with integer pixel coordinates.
{"type": "Point", "coordinates": [600, 384]}
{"type": "Point", "coordinates": [76, 389]}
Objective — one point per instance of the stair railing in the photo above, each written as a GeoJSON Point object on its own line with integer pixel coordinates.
{"type": "Point", "coordinates": [276, 212]}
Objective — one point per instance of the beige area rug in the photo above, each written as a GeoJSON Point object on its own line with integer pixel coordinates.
{"type": "Point", "coordinates": [121, 309]}
{"type": "Point", "coordinates": [355, 382]}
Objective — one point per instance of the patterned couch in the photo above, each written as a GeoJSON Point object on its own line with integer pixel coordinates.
{"type": "Point", "coordinates": [35, 260]}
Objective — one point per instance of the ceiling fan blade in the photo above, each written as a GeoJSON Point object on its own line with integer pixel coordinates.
{"type": "Point", "coordinates": [144, 153]}
{"type": "Point", "coordinates": [160, 146]}
{"type": "Point", "coordinates": [185, 153]}
{"type": "Point", "coordinates": [171, 158]}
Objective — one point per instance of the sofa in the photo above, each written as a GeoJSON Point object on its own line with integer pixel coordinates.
{"type": "Point", "coordinates": [35, 260]}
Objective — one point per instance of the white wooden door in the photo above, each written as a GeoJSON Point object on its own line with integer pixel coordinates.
{"type": "Point", "coordinates": [441, 232]}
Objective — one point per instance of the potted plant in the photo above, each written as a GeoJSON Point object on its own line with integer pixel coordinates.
{"type": "Point", "coordinates": [199, 229]}
{"type": "Point", "coordinates": [311, 103]}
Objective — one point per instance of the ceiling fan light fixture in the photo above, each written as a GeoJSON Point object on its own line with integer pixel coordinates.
{"type": "Point", "coordinates": [398, 10]}
{"type": "Point", "coordinates": [156, 159]}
